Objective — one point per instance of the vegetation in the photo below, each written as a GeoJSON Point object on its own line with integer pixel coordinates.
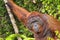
{"type": "Point", "coordinates": [51, 7]}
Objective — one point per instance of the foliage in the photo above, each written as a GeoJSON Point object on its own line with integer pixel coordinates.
{"type": "Point", "coordinates": [1, 39]}
{"type": "Point", "coordinates": [13, 36]}
{"type": "Point", "coordinates": [51, 7]}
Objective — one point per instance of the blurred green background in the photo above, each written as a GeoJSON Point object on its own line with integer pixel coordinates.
{"type": "Point", "coordinates": [51, 7]}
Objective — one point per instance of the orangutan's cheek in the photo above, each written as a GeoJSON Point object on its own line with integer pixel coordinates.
{"type": "Point", "coordinates": [41, 29]}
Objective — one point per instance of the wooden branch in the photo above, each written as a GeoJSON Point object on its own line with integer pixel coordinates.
{"type": "Point", "coordinates": [12, 20]}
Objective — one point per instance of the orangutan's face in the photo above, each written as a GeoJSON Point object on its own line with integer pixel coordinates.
{"type": "Point", "coordinates": [37, 27]}
{"type": "Point", "coordinates": [36, 24]}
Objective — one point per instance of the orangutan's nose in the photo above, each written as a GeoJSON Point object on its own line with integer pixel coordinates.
{"type": "Point", "coordinates": [35, 27]}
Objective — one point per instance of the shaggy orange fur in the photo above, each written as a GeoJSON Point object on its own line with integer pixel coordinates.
{"type": "Point", "coordinates": [42, 25]}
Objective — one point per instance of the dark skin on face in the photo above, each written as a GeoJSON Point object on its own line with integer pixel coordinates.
{"type": "Point", "coordinates": [42, 25]}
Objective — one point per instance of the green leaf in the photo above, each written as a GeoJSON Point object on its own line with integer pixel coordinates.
{"type": "Point", "coordinates": [58, 7]}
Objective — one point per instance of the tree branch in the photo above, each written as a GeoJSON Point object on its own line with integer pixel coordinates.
{"type": "Point", "coordinates": [12, 19]}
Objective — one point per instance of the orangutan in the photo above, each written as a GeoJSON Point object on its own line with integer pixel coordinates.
{"type": "Point", "coordinates": [42, 25]}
